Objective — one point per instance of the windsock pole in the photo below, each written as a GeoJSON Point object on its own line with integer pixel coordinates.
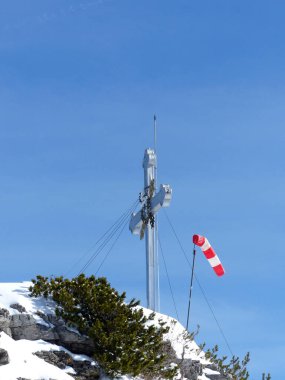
{"type": "Point", "coordinates": [191, 286]}
{"type": "Point", "coordinates": [211, 256]}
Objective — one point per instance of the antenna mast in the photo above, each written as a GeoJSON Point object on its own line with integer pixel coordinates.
{"type": "Point", "coordinates": [155, 150]}
{"type": "Point", "coordinates": [156, 217]}
{"type": "Point", "coordinates": [154, 129]}
{"type": "Point", "coordinates": [144, 222]}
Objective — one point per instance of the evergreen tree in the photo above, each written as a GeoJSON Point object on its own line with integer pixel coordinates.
{"type": "Point", "coordinates": [125, 340]}
{"type": "Point", "coordinates": [235, 367]}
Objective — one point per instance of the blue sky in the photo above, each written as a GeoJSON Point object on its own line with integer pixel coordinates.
{"type": "Point", "coordinates": [79, 84]}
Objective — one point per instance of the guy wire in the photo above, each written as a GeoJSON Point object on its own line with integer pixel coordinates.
{"type": "Point", "coordinates": [200, 286]}
{"type": "Point", "coordinates": [191, 287]}
{"type": "Point", "coordinates": [168, 279]}
{"type": "Point", "coordinates": [117, 226]}
{"type": "Point", "coordinates": [112, 246]}
{"type": "Point", "coordinates": [76, 263]}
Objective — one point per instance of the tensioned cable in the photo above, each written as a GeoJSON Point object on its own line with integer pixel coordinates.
{"type": "Point", "coordinates": [101, 238]}
{"type": "Point", "coordinates": [178, 240]}
{"type": "Point", "coordinates": [200, 286]}
{"type": "Point", "coordinates": [108, 238]}
{"type": "Point", "coordinates": [101, 247]}
{"type": "Point", "coordinates": [213, 314]}
{"type": "Point", "coordinates": [191, 288]}
{"type": "Point", "coordinates": [168, 278]}
{"type": "Point", "coordinates": [112, 246]}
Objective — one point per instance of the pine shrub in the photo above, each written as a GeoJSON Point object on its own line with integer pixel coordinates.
{"type": "Point", "coordinates": [236, 367]}
{"type": "Point", "coordinates": [125, 342]}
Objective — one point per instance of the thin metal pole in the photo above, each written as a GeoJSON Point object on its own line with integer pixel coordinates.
{"type": "Point", "coordinates": [191, 286]}
{"type": "Point", "coordinates": [154, 130]}
{"type": "Point", "coordinates": [156, 219]}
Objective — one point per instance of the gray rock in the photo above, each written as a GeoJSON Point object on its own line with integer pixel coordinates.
{"type": "Point", "coordinates": [84, 369]}
{"type": "Point", "coordinates": [18, 307]}
{"type": "Point", "coordinates": [88, 373]}
{"type": "Point", "coordinates": [35, 332]}
{"type": "Point", "coordinates": [51, 319]}
{"type": "Point", "coordinates": [217, 376]}
{"type": "Point", "coordinates": [4, 313]}
{"type": "Point", "coordinates": [4, 357]}
{"type": "Point", "coordinates": [5, 321]}
{"type": "Point", "coordinates": [75, 342]}
{"type": "Point", "coordinates": [190, 369]}
{"type": "Point", "coordinates": [24, 326]}
{"type": "Point", "coordinates": [59, 359]}
{"type": "Point", "coordinates": [21, 320]}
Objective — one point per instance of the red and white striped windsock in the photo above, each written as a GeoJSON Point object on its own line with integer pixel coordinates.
{"type": "Point", "coordinates": [210, 254]}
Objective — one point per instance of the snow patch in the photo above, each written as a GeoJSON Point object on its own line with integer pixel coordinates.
{"type": "Point", "coordinates": [24, 364]}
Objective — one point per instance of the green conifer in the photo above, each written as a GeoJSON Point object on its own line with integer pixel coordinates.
{"type": "Point", "coordinates": [125, 342]}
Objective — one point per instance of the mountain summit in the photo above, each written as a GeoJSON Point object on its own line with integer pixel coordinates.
{"type": "Point", "coordinates": [35, 344]}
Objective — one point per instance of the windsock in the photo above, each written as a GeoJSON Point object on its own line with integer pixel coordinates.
{"type": "Point", "coordinates": [210, 254]}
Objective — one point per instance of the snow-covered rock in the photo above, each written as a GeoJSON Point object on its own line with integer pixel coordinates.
{"type": "Point", "coordinates": [39, 346]}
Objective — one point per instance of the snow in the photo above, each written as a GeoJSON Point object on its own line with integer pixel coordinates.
{"type": "Point", "coordinates": [22, 361]}
{"type": "Point", "coordinates": [11, 293]}
{"type": "Point", "coordinates": [203, 377]}
{"type": "Point", "coordinates": [209, 371]}
{"type": "Point", "coordinates": [24, 364]}
{"type": "Point", "coordinates": [177, 335]}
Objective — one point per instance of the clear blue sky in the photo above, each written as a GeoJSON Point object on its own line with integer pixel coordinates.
{"type": "Point", "coordinates": [79, 84]}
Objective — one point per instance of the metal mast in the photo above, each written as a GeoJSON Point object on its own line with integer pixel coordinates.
{"type": "Point", "coordinates": [149, 165]}
{"type": "Point", "coordinates": [144, 222]}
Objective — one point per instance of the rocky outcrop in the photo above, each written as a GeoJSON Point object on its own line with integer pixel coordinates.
{"type": "Point", "coordinates": [52, 329]}
{"type": "Point", "coordinates": [85, 370]}
{"type": "Point", "coordinates": [18, 307]}
{"type": "Point", "coordinates": [4, 313]}
{"type": "Point", "coordinates": [190, 369]}
{"type": "Point", "coordinates": [5, 321]}
{"type": "Point", "coordinates": [216, 376]}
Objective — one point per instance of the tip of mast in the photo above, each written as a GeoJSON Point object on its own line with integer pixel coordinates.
{"type": "Point", "coordinates": [154, 130]}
